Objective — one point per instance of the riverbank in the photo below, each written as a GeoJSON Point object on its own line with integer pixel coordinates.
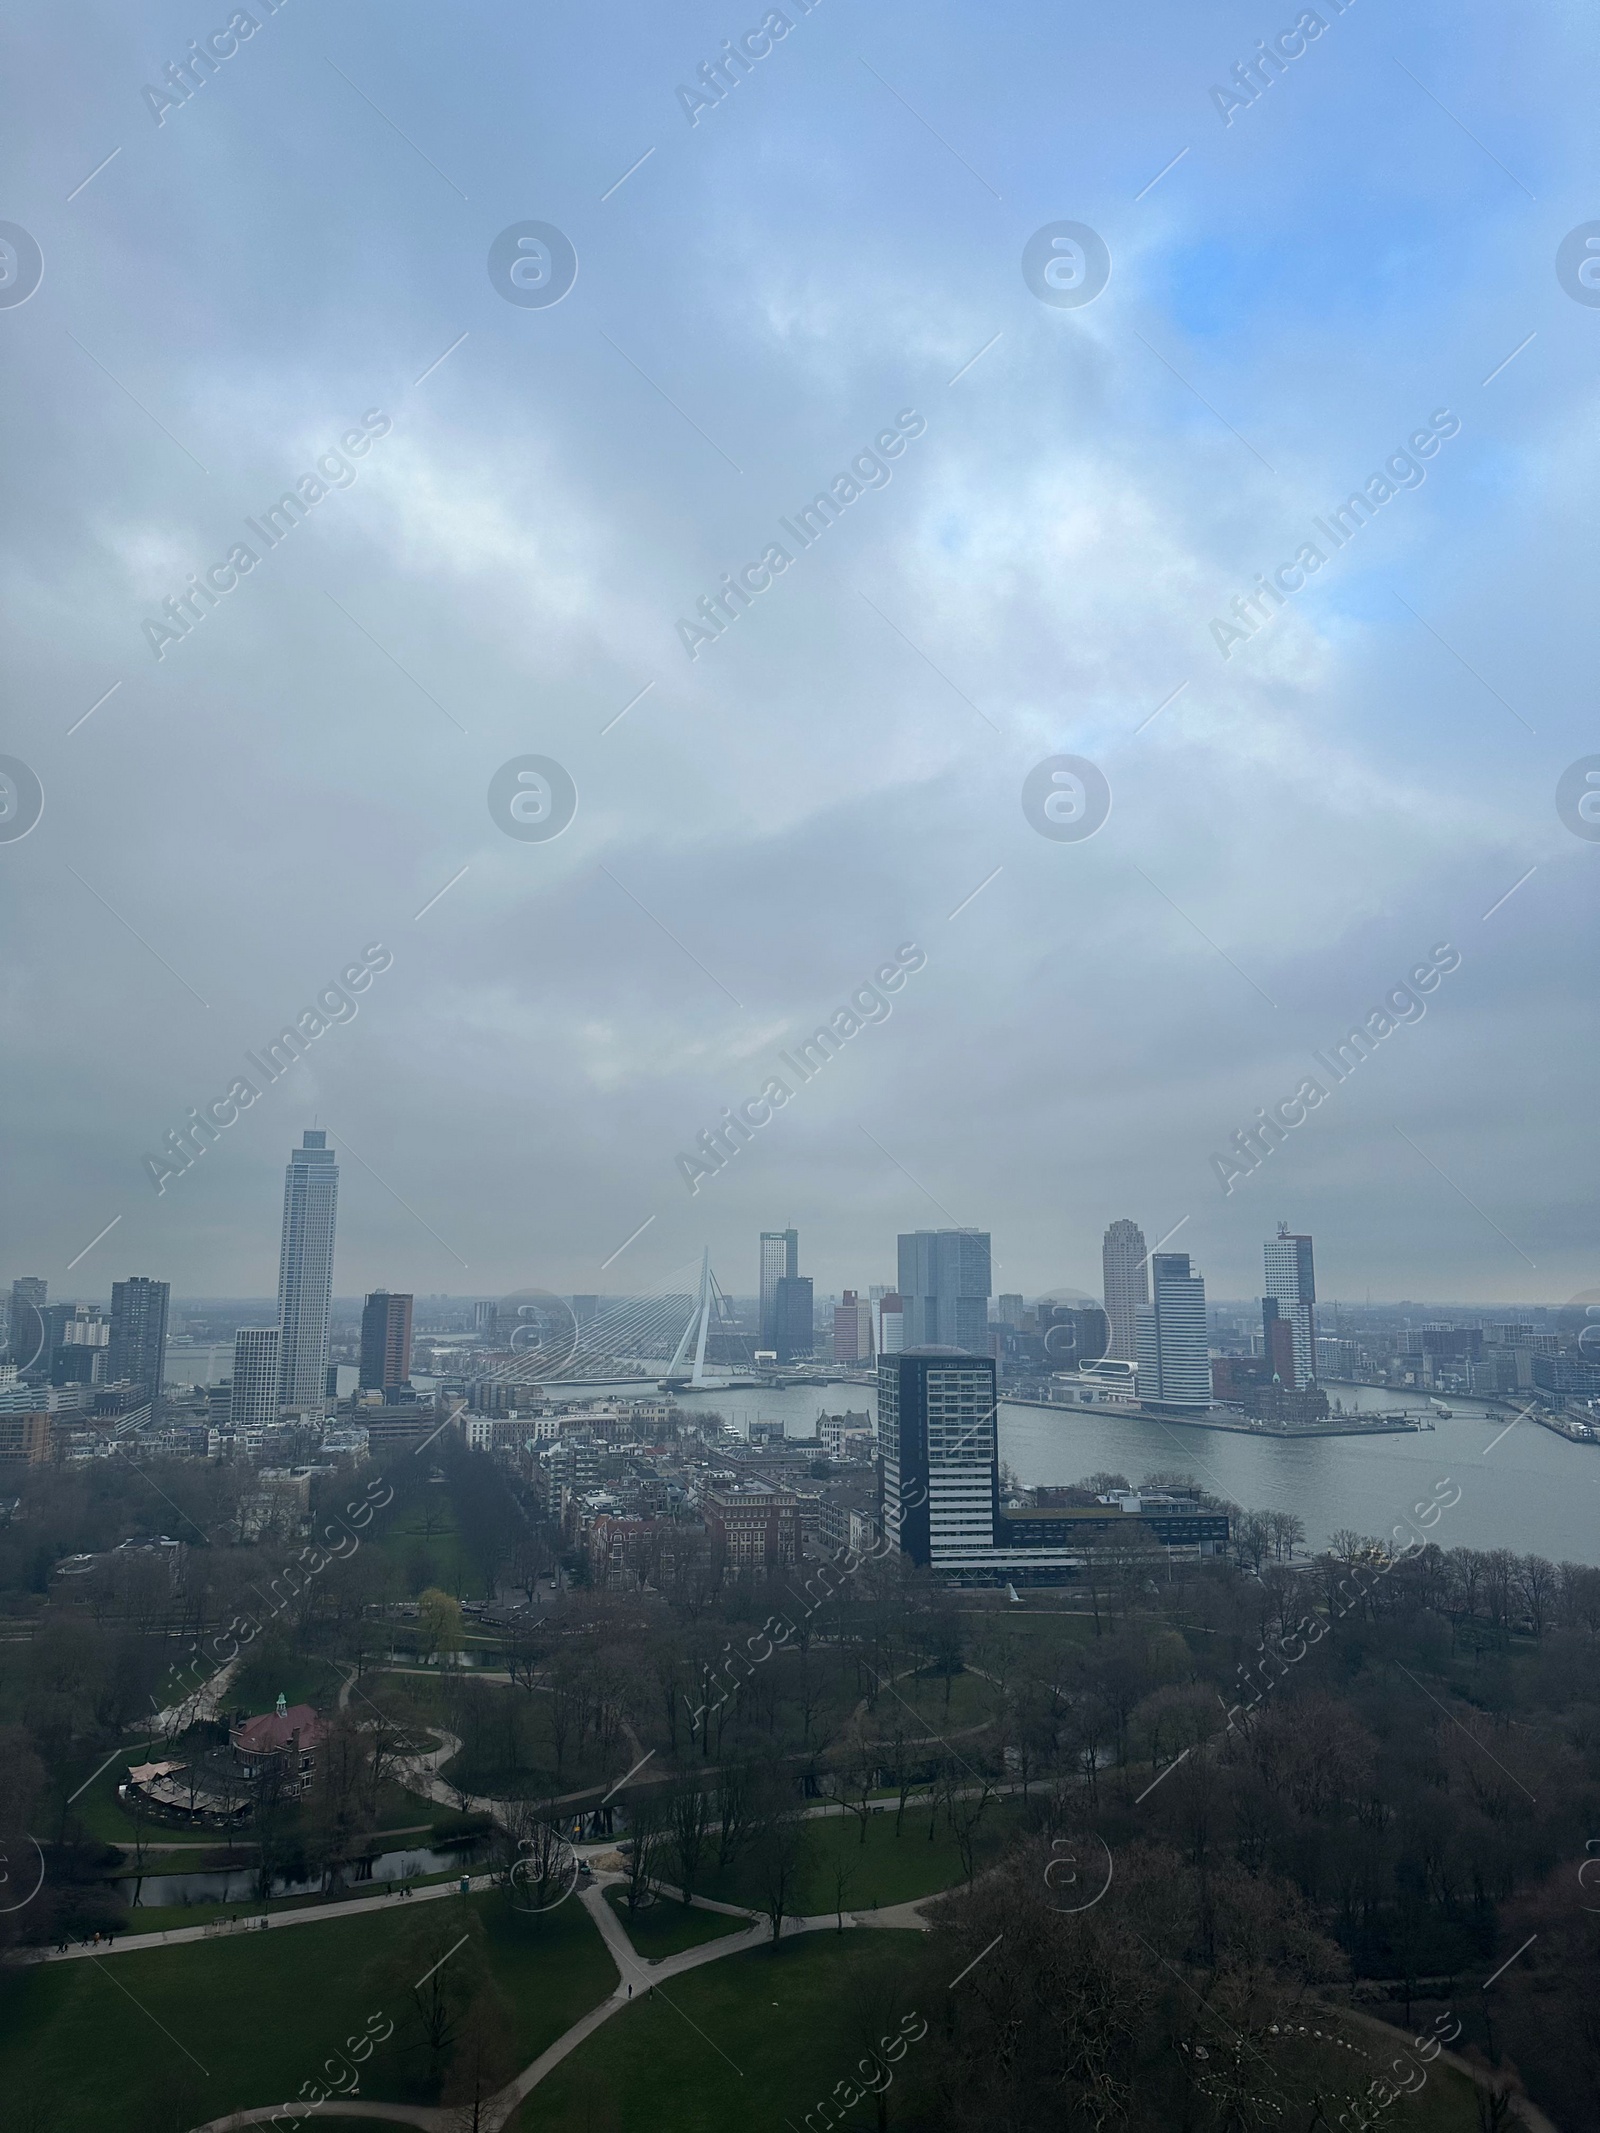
{"type": "Point", "coordinates": [1343, 1426]}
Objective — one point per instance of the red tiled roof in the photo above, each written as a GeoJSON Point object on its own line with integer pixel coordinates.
{"type": "Point", "coordinates": [271, 1730]}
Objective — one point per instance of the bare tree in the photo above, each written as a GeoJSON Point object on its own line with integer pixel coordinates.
{"type": "Point", "coordinates": [965, 1813]}
{"type": "Point", "coordinates": [783, 1858]}
{"type": "Point", "coordinates": [482, 2061]}
{"type": "Point", "coordinates": [645, 1850]}
{"type": "Point", "coordinates": [539, 1857]}
{"type": "Point", "coordinates": [734, 1813]}
{"type": "Point", "coordinates": [844, 1875]}
{"type": "Point", "coordinates": [690, 1816]}
{"type": "Point", "coordinates": [436, 1978]}
{"type": "Point", "coordinates": [849, 1783]}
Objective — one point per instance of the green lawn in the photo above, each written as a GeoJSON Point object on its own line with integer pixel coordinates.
{"type": "Point", "coordinates": [425, 1557]}
{"type": "Point", "coordinates": [916, 1705]}
{"type": "Point", "coordinates": [261, 2012]}
{"type": "Point", "coordinates": [667, 1927]}
{"type": "Point", "coordinates": [296, 1676]}
{"type": "Point", "coordinates": [885, 1869]}
{"type": "Point", "coordinates": [705, 2056]}
{"type": "Point", "coordinates": [713, 2060]}
{"type": "Point", "coordinates": [102, 1814]}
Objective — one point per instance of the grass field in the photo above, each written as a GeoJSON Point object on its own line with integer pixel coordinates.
{"type": "Point", "coordinates": [250, 2019]}
{"type": "Point", "coordinates": [746, 2042]}
{"type": "Point", "coordinates": [423, 1557]}
{"type": "Point", "coordinates": [761, 2039]}
{"type": "Point", "coordinates": [916, 1703]}
{"type": "Point", "coordinates": [667, 1927]}
{"type": "Point", "coordinates": [885, 1869]}
{"type": "Point", "coordinates": [296, 1676]}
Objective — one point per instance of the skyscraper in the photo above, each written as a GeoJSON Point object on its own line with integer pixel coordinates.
{"type": "Point", "coordinates": [1292, 1295]}
{"type": "Point", "coordinates": [305, 1272]}
{"type": "Point", "coordinates": [1174, 1355]}
{"type": "Point", "coordinates": [1122, 1257]}
{"type": "Point", "coordinates": [793, 1317]}
{"type": "Point", "coordinates": [254, 1401]}
{"type": "Point", "coordinates": [24, 1323]}
{"type": "Point", "coordinates": [385, 1342]}
{"type": "Point", "coordinates": [889, 1315]}
{"type": "Point", "coordinates": [939, 1441]}
{"type": "Point", "coordinates": [780, 1261]}
{"type": "Point", "coordinates": [852, 1329]}
{"type": "Point", "coordinates": [944, 1279]}
{"type": "Point", "coordinates": [138, 1350]}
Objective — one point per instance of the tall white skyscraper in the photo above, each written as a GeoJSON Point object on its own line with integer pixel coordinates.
{"type": "Point", "coordinates": [1174, 1354]}
{"type": "Point", "coordinates": [305, 1272]}
{"type": "Point", "coordinates": [254, 1400]}
{"type": "Point", "coordinates": [1292, 1289]}
{"type": "Point", "coordinates": [1127, 1285]}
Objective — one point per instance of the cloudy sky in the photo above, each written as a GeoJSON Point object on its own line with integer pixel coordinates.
{"type": "Point", "coordinates": [834, 247]}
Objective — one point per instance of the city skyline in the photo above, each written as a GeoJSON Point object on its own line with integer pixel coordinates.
{"type": "Point", "coordinates": [800, 839]}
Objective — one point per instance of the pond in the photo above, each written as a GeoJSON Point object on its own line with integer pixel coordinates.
{"type": "Point", "coordinates": [239, 1884]}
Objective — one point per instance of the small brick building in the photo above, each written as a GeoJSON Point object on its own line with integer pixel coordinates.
{"type": "Point", "coordinates": [287, 1737]}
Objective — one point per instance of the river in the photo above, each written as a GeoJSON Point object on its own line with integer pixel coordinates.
{"type": "Point", "coordinates": [1531, 1491]}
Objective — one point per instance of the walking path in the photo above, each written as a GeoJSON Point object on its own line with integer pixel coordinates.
{"type": "Point", "coordinates": [178, 1717]}
{"type": "Point", "coordinates": [636, 1974]}
{"type": "Point", "coordinates": [249, 1921]}
{"type": "Point", "coordinates": [415, 1768]}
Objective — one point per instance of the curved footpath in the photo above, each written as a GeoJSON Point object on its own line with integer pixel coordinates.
{"type": "Point", "coordinates": [635, 1973]}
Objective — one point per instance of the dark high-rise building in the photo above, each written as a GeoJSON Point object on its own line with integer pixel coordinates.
{"type": "Point", "coordinates": [305, 1271]}
{"type": "Point", "coordinates": [78, 1343]}
{"type": "Point", "coordinates": [939, 1440]}
{"type": "Point", "coordinates": [1074, 1334]}
{"type": "Point", "coordinates": [780, 1261]}
{"type": "Point", "coordinates": [793, 1318]}
{"type": "Point", "coordinates": [1277, 1344]}
{"type": "Point", "coordinates": [1127, 1285]}
{"type": "Point", "coordinates": [385, 1342]}
{"type": "Point", "coordinates": [944, 1279]}
{"type": "Point", "coordinates": [75, 1364]}
{"type": "Point", "coordinates": [27, 1347]}
{"type": "Point", "coordinates": [138, 1350]}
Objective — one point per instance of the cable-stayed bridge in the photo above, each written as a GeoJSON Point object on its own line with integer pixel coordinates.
{"type": "Point", "coordinates": [680, 1339]}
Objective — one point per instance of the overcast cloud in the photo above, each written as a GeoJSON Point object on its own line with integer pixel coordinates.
{"type": "Point", "coordinates": [833, 777]}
